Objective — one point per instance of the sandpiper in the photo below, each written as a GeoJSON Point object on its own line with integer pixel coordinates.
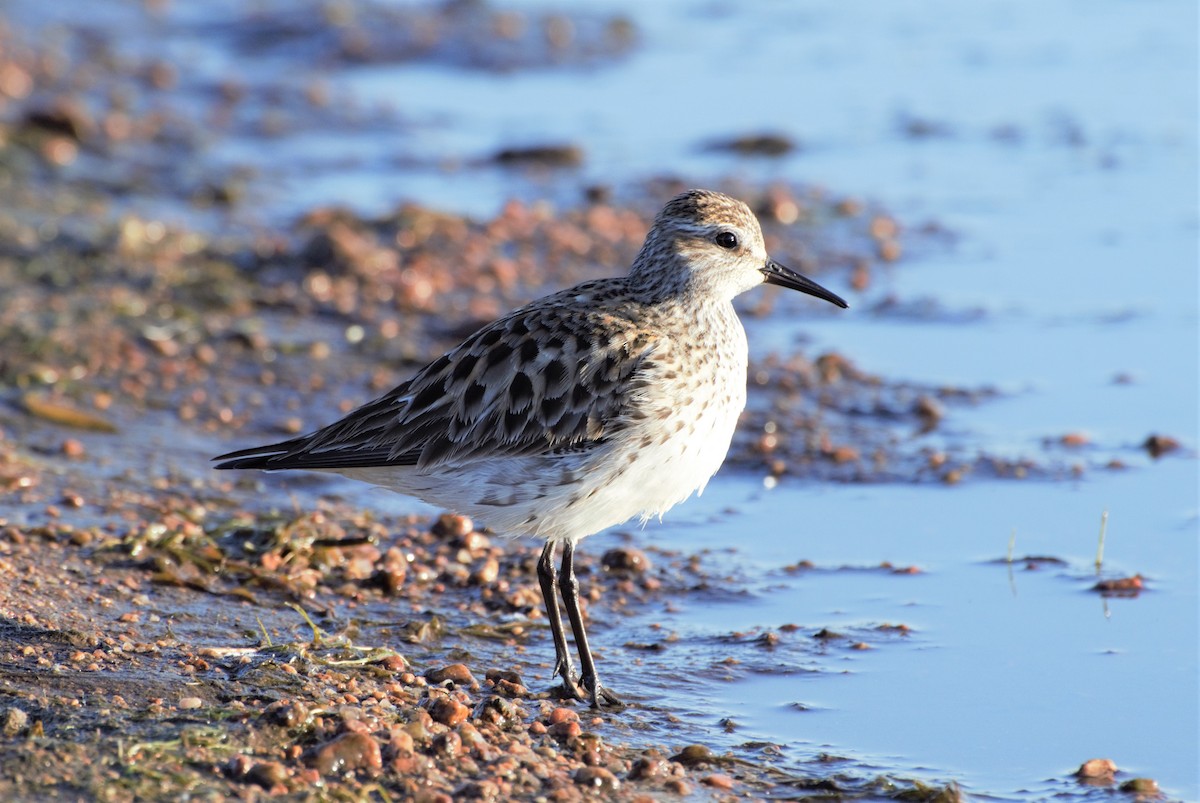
{"type": "Point", "coordinates": [612, 399]}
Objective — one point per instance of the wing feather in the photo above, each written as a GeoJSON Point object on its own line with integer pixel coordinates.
{"type": "Point", "coordinates": [549, 378]}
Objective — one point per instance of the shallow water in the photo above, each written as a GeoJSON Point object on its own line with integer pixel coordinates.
{"type": "Point", "coordinates": [1010, 676]}
{"type": "Point", "coordinates": [1058, 143]}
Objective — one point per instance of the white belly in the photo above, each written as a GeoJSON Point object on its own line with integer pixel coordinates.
{"type": "Point", "coordinates": [670, 450]}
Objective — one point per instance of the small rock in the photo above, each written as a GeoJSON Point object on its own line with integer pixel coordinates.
{"type": "Point", "coordinates": [456, 673]}
{"type": "Point", "coordinates": [486, 573]}
{"type": "Point", "coordinates": [540, 155]}
{"type": "Point", "coordinates": [401, 742]}
{"type": "Point", "coordinates": [1075, 439]}
{"type": "Point", "coordinates": [418, 729]}
{"type": "Point", "coordinates": [889, 250]}
{"type": "Point", "coordinates": [394, 663]}
{"type": "Point", "coordinates": [239, 765]}
{"type": "Point", "coordinates": [929, 410]}
{"type": "Point", "coordinates": [190, 703]}
{"type": "Point", "coordinates": [478, 790]}
{"type": "Point", "coordinates": [496, 675]}
{"type": "Point", "coordinates": [267, 774]}
{"type": "Point", "coordinates": [452, 525]}
{"type": "Point", "coordinates": [626, 560]}
{"type": "Point", "coordinates": [677, 786]}
{"type": "Point", "coordinates": [1159, 445]}
{"type": "Point", "coordinates": [597, 778]}
{"type": "Point", "coordinates": [567, 729]}
{"type": "Point", "coordinates": [506, 683]}
{"type": "Point", "coordinates": [1140, 786]}
{"type": "Point", "coordinates": [473, 541]}
{"type": "Point", "coordinates": [844, 454]}
{"type": "Point", "coordinates": [13, 720]}
{"type": "Point", "coordinates": [470, 735]}
{"type": "Point", "coordinates": [561, 714]}
{"type": "Point", "coordinates": [448, 745]}
{"type": "Point", "coordinates": [289, 714]}
{"type": "Point", "coordinates": [718, 780]}
{"type": "Point", "coordinates": [1120, 586]}
{"type": "Point", "coordinates": [64, 117]}
{"type": "Point", "coordinates": [347, 753]}
{"type": "Point", "coordinates": [1097, 769]}
{"type": "Point", "coordinates": [648, 766]}
{"type": "Point", "coordinates": [694, 755]}
{"type": "Point", "coordinates": [756, 145]}
{"type": "Point", "coordinates": [391, 579]}
{"type": "Point", "coordinates": [495, 710]}
{"type": "Point", "coordinates": [448, 711]}
{"type": "Point", "coordinates": [883, 227]}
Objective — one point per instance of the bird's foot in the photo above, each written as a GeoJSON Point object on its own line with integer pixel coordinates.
{"type": "Point", "coordinates": [570, 689]}
{"type": "Point", "coordinates": [599, 696]}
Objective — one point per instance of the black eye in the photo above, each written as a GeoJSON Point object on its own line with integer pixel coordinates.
{"type": "Point", "coordinates": [727, 239]}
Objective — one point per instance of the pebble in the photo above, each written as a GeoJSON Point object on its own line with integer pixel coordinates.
{"type": "Point", "coordinates": [478, 790]}
{"type": "Point", "coordinates": [456, 673]}
{"type": "Point", "coordinates": [597, 778]}
{"type": "Point", "coordinates": [1159, 445]}
{"type": "Point", "coordinates": [473, 541]}
{"type": "Point", "coordinates": [929, 410]}
{"type": "Point", "coordinates": [560, 714]}
{"type": "Point", "coordinates": [648, 766]}
{"type": "Point", "coordinates": [499, 711]}
{"type": "Point", "coordinates": [677, 786]}
{"type": "Point", "coordinates": [694, 755]}
{"type": "Point", "coordinates": [508, 675]}
{"type": "Point", "coordinates": [394, 663]}
{"type": "Point", "coordinates": [1140, 786]}
{"type": "Point", "coordinates": [448, 745]}
{"type": "Point", "coordinates": [289, 714]}
{"type": "Point", "coordinates": [13, 720]}
{"type": "Point", "coordinates": [1120, 586]}
{"type": "Point", "coordinates": [718, 780]}
{"type": "Point", "coordinates": [757, 145]}
{"type": "Point", "coordinates": [1097, 769]}
{"type": "Point", "coordinates": [267, 774]}
{"type": "Point", "coordinates": [347, 753]}
{"type": "Point", "coordinates": [625, 560]}
{"type": "Point", "coordinates": [400, 741]}
{"type": "Point", "coordinates": [567, 729]}
{"type": "Point", "coordinates": [542, 155]}
{"type": "Point", "coordinates": [391, 579]}
{"type": "Point", "coordinates": [470, 735]}
{"type": "Point", "coordinates": [448, 711]}
{"type": "Point", "coordinates": [452, 525]}
{"type": "Point", "coordinates": [486, 573]}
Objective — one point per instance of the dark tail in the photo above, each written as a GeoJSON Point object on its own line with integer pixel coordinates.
{"type": "Point", "coordinates": [265, 457]}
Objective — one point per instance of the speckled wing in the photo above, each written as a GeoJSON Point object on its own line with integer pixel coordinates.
{"type": "Point", "coordinates": [547, 379]}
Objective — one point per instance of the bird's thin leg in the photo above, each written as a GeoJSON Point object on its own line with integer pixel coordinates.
{"type": "Point", "coordinates": [548, 578]}
{"type": "Point", "coordinates": [570, 592]}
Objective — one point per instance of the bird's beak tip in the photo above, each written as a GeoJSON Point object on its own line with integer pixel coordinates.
{"type": "Point", "coordinates": [783, 276]}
